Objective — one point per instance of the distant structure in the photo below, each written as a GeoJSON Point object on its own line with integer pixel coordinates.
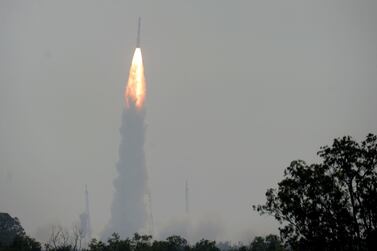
{"type": "Point", "coordinates": [85, 225]}
{"type": "Point", "coordinates": [187, 198]}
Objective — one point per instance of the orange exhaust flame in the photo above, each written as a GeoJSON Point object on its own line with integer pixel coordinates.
{"type": "Point", "coordinates": [136, 88]}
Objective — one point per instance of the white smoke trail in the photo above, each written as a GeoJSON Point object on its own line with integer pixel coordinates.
{"type": "Point", "coordinates": [129, 211]}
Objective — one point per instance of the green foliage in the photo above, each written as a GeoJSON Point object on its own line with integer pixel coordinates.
{"type": "Point", "coordinates": [115, 244]}
{"type": "Point", "coordinates": [62, 240]}
{"type": "Point", "coordinates": [95, 245]}
{"type": "Point", "coordinates": [25, 243]}
{"type": "Point", "coordinates": [258, 244]}
{"type": "Point", "coordinates": [9, 229]}
{"type": "Point", "coordinates": [176, 243]}
{"type": "Point", "coordinates": [139, 243]}
{"type": "Point", "coordinates": [144, 243]}
{"type": "Point", "coordinates": [331, 205]}
{"type": "Point", "coordinates": [13, 237]}
{"type": "Point", "coordinates": [270, 243]}
{"type": "Point", "coordinates": [205, 245]}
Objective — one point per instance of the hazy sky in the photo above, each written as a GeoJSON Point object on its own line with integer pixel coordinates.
{"type": "Point", "coordinates": [236, 90]}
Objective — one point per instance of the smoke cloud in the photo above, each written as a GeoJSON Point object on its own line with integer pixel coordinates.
{"type": "Point", "coordinates": [129, 212]}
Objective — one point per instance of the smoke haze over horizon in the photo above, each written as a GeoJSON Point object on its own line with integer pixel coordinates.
{"type": "Point", "coordinates": [236, 90]}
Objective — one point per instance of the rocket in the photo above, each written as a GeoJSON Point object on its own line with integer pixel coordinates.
{"type": "Point", "coordinates": [138, 33]}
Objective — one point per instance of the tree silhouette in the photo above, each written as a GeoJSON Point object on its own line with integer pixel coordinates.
{"type": "Point", "coordinates": [13, 237]}
{"type": "Point", "coordinates": [176, 243]}
{"type": "Point", "coordinates": [10, 228]}
{"type": "Point", "coordinates": [205, 245]}
{"type": "Point", "coordinates": [330, 205]}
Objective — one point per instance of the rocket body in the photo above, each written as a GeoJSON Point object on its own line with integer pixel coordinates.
{"type": "Point", "coordinates": [138, 33]}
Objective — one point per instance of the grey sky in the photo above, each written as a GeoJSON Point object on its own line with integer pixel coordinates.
{"type": "Point", "coordinates": [236, 90]}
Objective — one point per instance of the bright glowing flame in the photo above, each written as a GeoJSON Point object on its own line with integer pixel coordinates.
{"type": "Point", "coordinates": [135, 90]}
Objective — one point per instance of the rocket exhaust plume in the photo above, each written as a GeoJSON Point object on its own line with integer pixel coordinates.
{"type": "Point", "coordinates": [129, 212]}
{"type": "Point", "coordinates": [135, 90]}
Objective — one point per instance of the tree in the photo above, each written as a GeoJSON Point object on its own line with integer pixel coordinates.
{"type": "Point", "coordinates": [59, 239]}
{"type": "Point", "coordinates": [9, 229]}
{"type": "Point", "coordinates": [269, 243]}
{"type": "Point", "coordinates": [13, 237]}
{"type": "Point", "coordinates": [330, 205]}
{"type": "Point", "coordinates": [205, 245]}
{"type": "Point", "coordinates": [176, 243]}
{"type": "Point", "coordinates": [273, 243]}
{"type": "Point", "coordinates": [63, 239]}
{"type": "Point", "coordinates": [258, 244]}
{"type": "Point", "coordinates": [114, 243]}
{"type": "Point", "coordinates": [141, 242]}
{"type": "Point", "coordinates": [25, 243]}
{"type": "Point", "coordinates": [160, 245]}
{"type": "Point", "coordinates": [77, 235]}
{"type": "Point", "coordinates": [95, 245]}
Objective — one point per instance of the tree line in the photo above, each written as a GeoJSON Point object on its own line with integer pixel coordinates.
{"type": "Point", "coordinates": [13, 238]}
